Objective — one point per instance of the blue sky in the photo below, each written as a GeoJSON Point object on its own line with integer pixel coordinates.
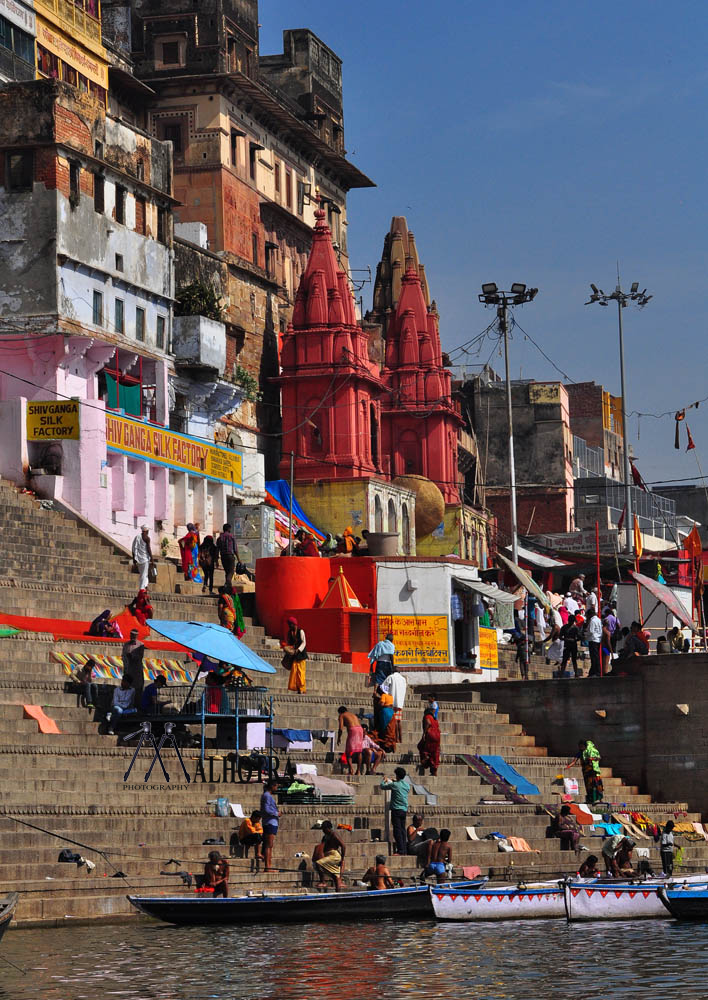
{"type": "Point", "coordinates": [540, 142]}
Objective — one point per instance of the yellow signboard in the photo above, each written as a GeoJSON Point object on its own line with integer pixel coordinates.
{"type": "Point", "coordinates": [57, 419]}
{"type": "Point", "coordinates": [488, 650]}
{"type": "Point", "coordinates": [544, 392]}
{"type": "Point", "coordinates": [177, 451]}
{"type": "Point", "coordinates": [417, 638]}
{"type": "Point", "coordinates": [94, 68]}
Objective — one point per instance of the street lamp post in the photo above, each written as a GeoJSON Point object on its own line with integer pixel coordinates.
{"type": "Point", "coordinates": [493, 296]}
{"type": "Point", "coordinates": [623, 299]}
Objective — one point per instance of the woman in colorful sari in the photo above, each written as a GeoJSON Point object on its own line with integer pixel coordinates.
{"type": "Point", "coordinates": [189, 549]}
{"type": "Point", "coordinates": [589, 758]}
{"type": "Point", "coordinates": [429, 746]}
{"type": "Point", "coordinates": [385, 721]}
{"type": "Point", "coordinates": [230, 612]}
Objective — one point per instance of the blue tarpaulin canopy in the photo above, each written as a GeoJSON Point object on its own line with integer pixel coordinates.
{"type": "Point", "coordinates": [279, 490]}
{"type": "Point", "coordinates": [213, 641]}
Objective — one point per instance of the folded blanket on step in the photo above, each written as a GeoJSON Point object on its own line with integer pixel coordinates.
{"type": "Point", "coordinates": [328, 786]}
{"type": "Point", "coordinates": [517, 781]}
{"type": "Point", "coordinates": [492, 777]}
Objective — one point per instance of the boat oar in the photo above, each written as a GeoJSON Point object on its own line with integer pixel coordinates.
{"type": "Point", "coordinates": [23, 971]}
{"type": "Point", "coordinates": [75, 843]}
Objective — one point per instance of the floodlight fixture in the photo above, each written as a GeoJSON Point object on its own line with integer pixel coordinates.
{"type": "Point", "coordinates": [518, 288]}
{"type": "Point", "coordinates": [489, 289]}
{"type": "Point", "coordinates": [635, 287]}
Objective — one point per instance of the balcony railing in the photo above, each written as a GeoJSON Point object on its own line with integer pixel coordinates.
{"type": "Point", "coordinates": [84, 19]}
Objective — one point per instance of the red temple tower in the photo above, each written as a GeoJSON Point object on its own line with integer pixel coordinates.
{"type": "Point", "coordinates": [330, 388]}
{"type": "Point", "coordinates": [420, 420]}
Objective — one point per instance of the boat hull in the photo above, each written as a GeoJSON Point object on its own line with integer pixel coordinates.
{"type": "Point", "coordinates": [408, 902]}
{"type": "Point", "coordinates": [7, 909]}
{"type": "Point", "coordinates": [533, 902]}
{"type": "Point", "coordinates": [606, 900]}
{"type": "Point", "coordinates": [685, 904]}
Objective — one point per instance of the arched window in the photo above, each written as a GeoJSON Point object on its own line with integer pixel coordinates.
{"type": "Point", "coordinates": [406, 529]}
{"type": "Point", "coordinates": [392, 518]}
{"type": "Point", "coordinates": [378, 514]}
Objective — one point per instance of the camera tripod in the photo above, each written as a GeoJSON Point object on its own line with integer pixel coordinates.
{"type": "Point", "coordinates": [146, 736]}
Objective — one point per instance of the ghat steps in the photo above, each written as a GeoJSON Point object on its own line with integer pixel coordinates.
{"type": "Point", "coordinates": [71, 784]}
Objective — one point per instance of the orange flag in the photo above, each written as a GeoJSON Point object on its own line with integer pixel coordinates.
{"type": "Point", "coordinates": [693, 544]}
{"type": "Point", "coordinates": [637, 539]}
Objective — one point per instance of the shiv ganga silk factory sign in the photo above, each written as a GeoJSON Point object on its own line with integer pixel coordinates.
{"type": "Point", "coordinates": [177, 451]}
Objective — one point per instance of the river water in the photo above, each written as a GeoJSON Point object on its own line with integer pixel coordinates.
{"type": "Point", "coordinates": [375, 960]}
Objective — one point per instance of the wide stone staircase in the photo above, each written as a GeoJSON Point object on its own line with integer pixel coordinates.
{"type": "Point", "coordinates": [70, 785]}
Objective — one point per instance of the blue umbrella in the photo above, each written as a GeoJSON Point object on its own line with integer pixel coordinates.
{"type": "Point", "coordinates": [213, 641]}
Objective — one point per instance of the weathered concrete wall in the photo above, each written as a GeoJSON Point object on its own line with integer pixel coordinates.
{"type": "Point", "coordinates": [644, 737]}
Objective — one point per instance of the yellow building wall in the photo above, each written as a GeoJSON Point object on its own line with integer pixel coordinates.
{"type": "Point", "coordinates": [445, 540]}
{"type": "Point", "coordinates": [74, 36]}
{"type": "Point", "coordinates": [332, 505]}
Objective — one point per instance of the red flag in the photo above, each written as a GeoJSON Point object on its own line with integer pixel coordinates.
{"type": "Point", "coordinates": [638, 548]}
{"type": "Point", "coordinates": [636, 476]}
{"type": "Point", "coordinates": [620, 523]}
{"type": "Point", "coordinates": [690, 444]}
{"type": "Point", "coordinates": [693, 544]}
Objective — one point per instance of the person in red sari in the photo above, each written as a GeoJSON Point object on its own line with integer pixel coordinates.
{"type": "Point", "coordinates": [429, 746]}
{"type": "Point", "coordinates": [140, 607]}
{"type": "Point", "coordinates": [189, 549]}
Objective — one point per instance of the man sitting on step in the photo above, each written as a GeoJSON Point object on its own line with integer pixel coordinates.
{"type": "Point", "coordinates": [123, 698]}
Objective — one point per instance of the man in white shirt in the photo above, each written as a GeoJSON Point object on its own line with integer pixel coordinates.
{"type": "Point", "coordinates": [396, 685]}
{"type": "Point", "coordinates": [591, 600]}
{"type": "Point", "coordinates": [571, 604]}
{"type": "Point", "coordinates": [142, 555]}
{"type": "Point", "coordinates": [593, 631]}
{"type": "Point", "coordinates": [123, 701]}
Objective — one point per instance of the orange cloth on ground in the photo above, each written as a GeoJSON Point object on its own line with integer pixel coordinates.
{"type": "Point", "coordinates": [585, 819]}
{"type": "Point", "coordinates": [44, 723]}
{"type": "Point", "coordinates": [519, 844]}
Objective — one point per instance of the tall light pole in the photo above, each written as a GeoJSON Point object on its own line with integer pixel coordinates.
{"type": "Point", "coordinates": [623, 299]}
{"type": "Point", "coordinates": [493, 296]}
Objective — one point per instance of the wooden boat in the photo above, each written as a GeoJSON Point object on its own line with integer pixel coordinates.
{"type": "Point", "coordinates": [617, 899]}
{"type": "Point", "coordinates": [7, 909]}
{"type": "Point", "coordinates": [407, 901]}
{"type": "Point", "coordinates": [533, 901]}
{"type": "Point", "coordinates": [685, 902]}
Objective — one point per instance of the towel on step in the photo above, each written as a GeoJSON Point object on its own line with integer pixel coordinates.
{"type": "Point", "coordinates": [430, 798]}
{"type": "Point", "coordinates": [471, 833]}
{"type": "Point", "coordinates": [492, 777]}
{"type": "Point", "coordinates": [517, 781]}
{"type": "Point", "coordinates": [471, 871]}
{"type": "Point", "coordinates": [305, 769]}
{"type": "Point", "coordinates": [519, 844]}
{"type": "Point", "coordinates": [44, 723]}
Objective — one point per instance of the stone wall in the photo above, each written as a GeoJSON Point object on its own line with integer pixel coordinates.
{"type": "Point", "coordinates": [644, 736]}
